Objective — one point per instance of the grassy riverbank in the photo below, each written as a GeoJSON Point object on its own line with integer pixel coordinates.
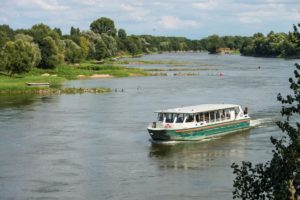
{"type": "Point", "coordinates": [55, 77]}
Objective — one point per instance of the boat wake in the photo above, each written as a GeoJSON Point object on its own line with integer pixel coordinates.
{"type": "Point", "coordinates": [164, 142]}
{"type": "Point", "coordinates": [260, 122]}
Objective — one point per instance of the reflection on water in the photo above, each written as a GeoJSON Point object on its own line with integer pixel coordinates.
{"type": "Point", "coordinates": [7, 101]}
{"type": "Point", "coordinates": [198, 155]}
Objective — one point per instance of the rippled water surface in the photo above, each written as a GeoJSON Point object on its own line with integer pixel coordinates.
{"type": "Point", "coordinates": [95, 146]}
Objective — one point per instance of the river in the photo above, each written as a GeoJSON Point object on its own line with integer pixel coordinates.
{"type": "Point", "coordinates": [95, 146]}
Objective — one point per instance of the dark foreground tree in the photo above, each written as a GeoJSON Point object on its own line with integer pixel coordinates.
{"type": "Point", "coordinates": [278, 179]}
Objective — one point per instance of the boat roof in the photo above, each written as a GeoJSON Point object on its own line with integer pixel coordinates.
{"type": "Point", "coordinates": [198, 108]}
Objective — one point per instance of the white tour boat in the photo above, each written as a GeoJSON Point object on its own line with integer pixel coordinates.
{"type": "Point", "coordinates": [198, 122]}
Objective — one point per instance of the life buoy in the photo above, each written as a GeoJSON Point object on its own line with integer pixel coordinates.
{"type": "Point", "coordinates": [167, 126]}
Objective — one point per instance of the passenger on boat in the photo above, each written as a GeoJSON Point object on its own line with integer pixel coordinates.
{"type": "Point", "coordinates": [246, 110]}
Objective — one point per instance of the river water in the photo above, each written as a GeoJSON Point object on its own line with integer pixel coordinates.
{"type": "Point", "coordinates": [95, 146]}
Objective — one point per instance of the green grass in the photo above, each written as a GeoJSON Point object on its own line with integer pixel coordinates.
{"type": "Point", "coordinates": [60, 74]}
{"type": "Point", "coordinates": [7, 84]}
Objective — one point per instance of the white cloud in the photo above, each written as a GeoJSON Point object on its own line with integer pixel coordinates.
{"type": "Point", "coordinates": [294, 14]}
{"type": "Point", "coordinates": [51, 5]}
{"type": "Point", "coordinates": [171, 22]}
{"type": "Point", "coordinates": [135, 13]}
{"type": "Point", "coordinates": [207, 5]}
{"type": "Point", "coordinates": [270, 11]}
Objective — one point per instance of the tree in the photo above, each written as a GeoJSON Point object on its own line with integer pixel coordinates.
{"type": "Point", "coordinates": [50, 53]}
{"type": "Point", "coordinates": [122, 34]}
{"type": "Point", "coordinates": [279, 178]}
{"type": "Point", "coordinates": [6, 34]}
{"type": "Point", "coordinates": [214, 43]}
{"type": "Point", "coordinates": [110, 43]}
{"type": "Point", "coordinates": [101, 51]}
{"type": "Point", "coordinates": [19, 56]}
{"type": "Point", "coordinates": [23, 37]}
{"type": "Point", "coordinates": [85, 47]}
{"type": "Point", "coordinates": [72, 51]}
{"type": "Point", "coordinates": [103, 25]}
{"type": "Point", "coordinates": [50, 45]}
{"type": "Point", "coordinates": [74, 31]}
{"type": "Point", "coordinates": [58, 31]}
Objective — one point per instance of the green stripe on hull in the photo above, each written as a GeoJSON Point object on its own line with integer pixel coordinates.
{"type": "Point", "coordinates": [205, 132]}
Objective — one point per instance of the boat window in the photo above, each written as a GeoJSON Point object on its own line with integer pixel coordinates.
{"type": "Point", "coordinates": [222, 114]}
{"type": "Point", "coordinates": [198, 117]}
{"type": "Point", "coordinates": [179, 118]}
{"type": "Point", "coordinates": [211, 116]}
{"type": "Point", "coordinates": [206, 116]}
{"type": "Point", "coordinates": [190, 118]}
{"type": "Point", "coordinates": [236, 110]}
{"type": "Point", "coordinates": [227, 114]}
{"type": "Point", "coordinates": [160, 117]}
{"type": "Point", "coordinates": [202, 117]}
{"type": "Point", "coordinates": [169, 118]}
{"type": "Point", "coordinates": [218, 115]}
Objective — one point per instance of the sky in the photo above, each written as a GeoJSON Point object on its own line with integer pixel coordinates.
{"type": "Point", "coordinates": [193, 19]}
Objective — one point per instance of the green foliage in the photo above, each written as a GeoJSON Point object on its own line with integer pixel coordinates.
{"type": "Point", "coordinates": [58, 31]}
{"type": "Point", "coordinates": [101, 51]}
{"type": "Point", "coordinates": [85, 46]}
{"type": "Point", "coordinates": [40, 31]}
{"type": "Point", "coordinates": [19, 56]}
{"type": "Point", "coordinates": [6, 34]}
{"type": "Point", "coordinates": [272, 45]}
{"type": "Point", "coordinates": [50, 53]}
{"type": "Point", "coordinates": [23, 37]}
{"type": "Point", "coordinates": [214, 42]}
{"type": "Point", "coordinates": [111, 44]}
{"type": "Point", "coordinates": [72, 53]}
{"type": "Point", "coordinates": [103, 25]}
{"type": "Point", "coordinates": [74, 31]}
{"type": "Point", "coordinates": [122, 34]}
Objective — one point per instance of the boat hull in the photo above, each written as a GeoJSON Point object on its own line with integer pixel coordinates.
{"type": "Point", "coordinates": [199, 133]}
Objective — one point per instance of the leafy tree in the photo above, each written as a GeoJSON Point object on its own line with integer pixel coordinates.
{"type": "Point", "coordinates": [3, 38]}
{"type": "Point", "coordinates": [50, 45]}
{"type": "Point", "coordinates": [104, 25]}
{"type": "Point", "coordinates": [131, 46]}
{"type": "Point", "coordinates": [214, 42]}
{"type": "Point", "coordinates": [279, 178]}
{"type": "Point", "coordinates": [122, 34]}
{"type": "Point", "coordinates": [6, 29]}
{"type": "Point", "coordinates": [58, 31]}
{"type": "Point", "coordinates": [40, 31]}
{"type": "Point", "coordinates": [72, 53]}
{"type": "Point", "coordinates": [101, 51]}
{"type": "Point", "coordinates": [23, 37]}
{"type": "Point", "coordinates": [6, 34]}
{"type": "Point", "coordinates": [85, 47]}
{"type": "Point", "coordinates": [50, 53]}
{"type": "Point", "coordinates": [19, 56]}
{"type": "Point", "coordinates": [74, 31]}
{"type": "Point", "coordinates": [111, 44]}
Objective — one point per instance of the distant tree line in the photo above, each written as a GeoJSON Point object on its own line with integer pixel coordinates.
{"type": "Point", "coordinates": [44, 47]}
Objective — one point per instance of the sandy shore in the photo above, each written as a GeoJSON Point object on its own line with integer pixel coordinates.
{"type": "Point", "coordinates": [96, 76]}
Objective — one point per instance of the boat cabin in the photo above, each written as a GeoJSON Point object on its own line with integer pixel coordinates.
{"type": "Point", "coordinates": [199, 115]}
